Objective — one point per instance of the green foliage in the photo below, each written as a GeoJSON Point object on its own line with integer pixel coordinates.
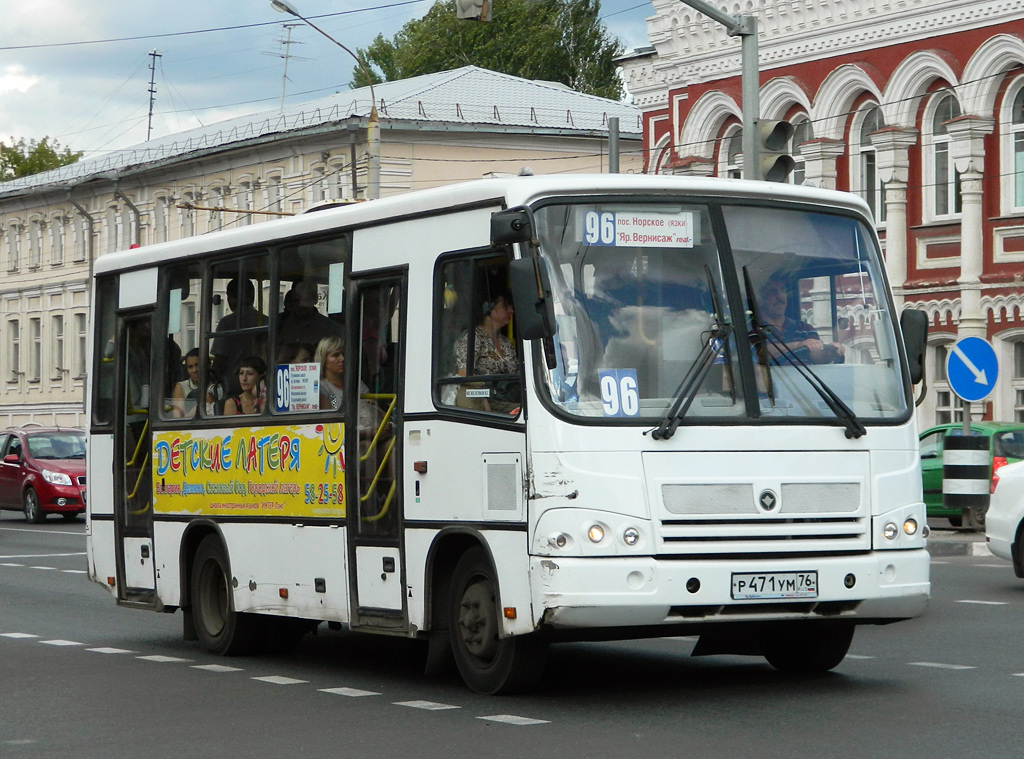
{"type": "Point", "coordinates": [552, 40]}
{"type": "Point", "coordinates": [23, 157]}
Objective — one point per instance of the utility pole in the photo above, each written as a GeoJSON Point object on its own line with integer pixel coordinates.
{"type": "Point", "coordinates": [153, 55]}
{"type": "Point", "coordinates": [744, 27]}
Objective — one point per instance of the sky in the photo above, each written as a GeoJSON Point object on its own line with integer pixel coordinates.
{"type": "Point", "coordinates": [78, 71]}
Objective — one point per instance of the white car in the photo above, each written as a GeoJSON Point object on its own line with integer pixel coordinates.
{"type": "Point", "coordinates": [1004, 523]}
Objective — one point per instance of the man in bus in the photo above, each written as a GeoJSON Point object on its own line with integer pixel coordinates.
{"type": "Point", "coordinates": [800, 337]}
{"type": "Point", "coordinates": [229, 349]}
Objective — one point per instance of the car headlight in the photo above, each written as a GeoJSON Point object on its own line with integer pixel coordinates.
{"type": "Point", "coordinates": [56, 478]}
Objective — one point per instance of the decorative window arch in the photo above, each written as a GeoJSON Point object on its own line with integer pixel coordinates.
{"type": "Point", "coordinates": [947, 409]}
{"type": "Point", "coordinates": [864, 179]}
{"type": "Point", "coordinates": [1012, 147]}
{"type": "Point", "coordinates": [942, 180]}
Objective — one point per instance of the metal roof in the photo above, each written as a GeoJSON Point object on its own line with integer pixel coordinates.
{"type": "Point", "coordinates": [469, 96]}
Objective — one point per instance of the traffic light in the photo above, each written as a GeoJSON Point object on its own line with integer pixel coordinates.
{"type": "Point", "coordinates": [774, 163]}
{"type": "Point", "coordinates": [473, 10]}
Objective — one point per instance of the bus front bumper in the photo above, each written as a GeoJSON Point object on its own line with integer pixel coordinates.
{"type": "Point", "coordinates": [879, 587]}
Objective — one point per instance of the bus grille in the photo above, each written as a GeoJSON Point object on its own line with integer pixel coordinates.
{"type": "Point", "coordinates": [727, 519]}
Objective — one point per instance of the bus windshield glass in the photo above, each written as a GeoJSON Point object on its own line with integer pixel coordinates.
{"type": "Point", "coordinates": [645, 326]}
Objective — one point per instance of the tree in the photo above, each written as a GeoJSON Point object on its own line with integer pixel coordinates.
{"type": "Point", "coordinates": [552, 40]}
{"type": "Point", "coordinates": [25, 157]}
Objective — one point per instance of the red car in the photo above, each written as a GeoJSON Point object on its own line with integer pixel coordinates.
{"type": "Point", "coordinates": [42, 471]}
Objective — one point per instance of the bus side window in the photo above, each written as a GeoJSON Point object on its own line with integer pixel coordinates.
{"type": "Point", "coordinates": [182, 359]}
{"type": "Point", "coordinates": [476, 360]}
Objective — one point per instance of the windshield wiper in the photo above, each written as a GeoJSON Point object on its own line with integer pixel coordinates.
{"type": "Point", "coordinates": [762, 335]}
{"type": "Point", "coordinates": [694, 377]}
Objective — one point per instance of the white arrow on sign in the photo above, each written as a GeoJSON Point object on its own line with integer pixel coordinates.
{"type": "Point", "coordinates": [979, 374]}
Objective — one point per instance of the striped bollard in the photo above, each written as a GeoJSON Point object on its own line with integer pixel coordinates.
{"type": "Point", "coordinates": [966, 477]}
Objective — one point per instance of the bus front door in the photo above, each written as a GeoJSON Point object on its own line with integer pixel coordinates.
{"type": "Point", "coordinates": [133, 484]}
{"type": "Point", "coordinates": [374, 431]}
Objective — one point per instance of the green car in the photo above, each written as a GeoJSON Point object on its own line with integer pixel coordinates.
{"type": "Point", "coordinates": [1007, 446]}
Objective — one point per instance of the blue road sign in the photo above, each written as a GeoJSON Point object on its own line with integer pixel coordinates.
{"type": "Point", "coordinates": [972, 369]}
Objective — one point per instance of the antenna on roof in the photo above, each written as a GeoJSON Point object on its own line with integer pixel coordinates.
{"type": "Point", "coordinates": [153, 55]}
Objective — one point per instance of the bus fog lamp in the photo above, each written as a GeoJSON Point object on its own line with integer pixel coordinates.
{"type": "Point", "coordinates": [560, 540]}
{"type": "Point", "coordinates": [910, 527]}
{"type": "Point", "coordinates": [890, 531]}
{"type": "Point", "coordinates": [631, 536]}
{"type": "Point", "coordinates": [595, 533]}
{"type": "Point", "coordinates": [850, 580]}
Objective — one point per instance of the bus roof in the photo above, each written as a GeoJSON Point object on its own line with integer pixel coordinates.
{"type": "Point", "coordinates": [509, 191]}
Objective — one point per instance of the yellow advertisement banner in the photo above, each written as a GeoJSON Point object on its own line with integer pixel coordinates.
{"type": "Point", "coordinates": [280, 471]}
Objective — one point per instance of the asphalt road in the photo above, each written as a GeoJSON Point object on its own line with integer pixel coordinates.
{"type": "Point", "coordinates": [80, 677]}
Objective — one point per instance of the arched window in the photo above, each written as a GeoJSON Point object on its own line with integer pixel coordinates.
{"type": "Point", "coordinates": [731, 165]}
{"type": "Point", "coordinates": [864, 167]}
{"type": "Point", "coordinates": [1013, 150]}
{"type": "Point", "coordinates": [803, 131]}
{"type": "Point", "coordinates": [948, 410]}
{"type": "Point", "coordinates": [943, 180]}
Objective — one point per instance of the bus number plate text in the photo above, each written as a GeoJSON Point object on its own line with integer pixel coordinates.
{"type": "Point", "coordinates": [749, 586]}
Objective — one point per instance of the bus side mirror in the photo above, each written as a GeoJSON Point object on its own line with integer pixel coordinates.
{"type": "Point", "coordinates": [511, 225]}
{"type": "Point", "coordinates": [914, 325]}
{"type": "Point", "coordinates": [531, 296]}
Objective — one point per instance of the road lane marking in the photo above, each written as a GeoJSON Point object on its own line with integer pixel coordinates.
{"type": "Point", "coordinates": [74, 571]}
{"type": "Point", "coordinates": [278, 680]}
{"type": "Point", "coordinates": [982, 603]}
{"type": "Point", "coordinates": [162, 659]}
{"type": "Point", "coordinates": [59, 642]}
{"type": "Point", "coordinates": [51, 568]}
{"type": "Point", "coordinates": [430, 706]}
{"type": "Point", "coordinates": [512, 719]}
{"type": "Point", "coordinates": [217, 668]}
{"type": "Point", "coordinates": [350, 692]}
{"type": "Point", "coordinates": [18, 635]}
{"type": "Point", "coordinates": [858, 656]}
{"type": "Point", "coordinates": [107, 650]}
{"type": "Point", "coordinates": [11, 564]}
{"type": "Point", "coordinates": [41, 555]}
{"type": "Point", "coordinates": [937, 665]}
{"type": "Point", "coordinates": [980, 549]}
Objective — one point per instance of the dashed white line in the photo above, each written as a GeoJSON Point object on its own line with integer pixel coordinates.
{"type": "Point", "coordinates": [278, 680]}
{"type": "Point", "coordinates": [11, 564]}
{"type": "Point", "coordinates": [350, 692]}
{"type": "Point", "coordinates": [52, 568]}
{"type": "Point", "coordinates": [937, 665]}
{"type": "Point", "coordinates": [512, 719]}
{"type": "Point", "coordinates": [217, 668]}
{"type": "Point", "coordinates": [981, 603]}
{"type": "Point", "coordinates": [59, 642]}
{"type": "Point", "coordinates": [858, 656]}
{"type": "Point", "coordinates": [430, 706]}
{"type": "Point", "coordinates": [160, 658]}
{"type": "Point", "coordinates": [74, 571]}
{"type": "Point", "coordinates": [108, 650]}
{"type": "Point", "coordinates": [18, 635]}
{"type": "Point", "coordinates": [41, 555]}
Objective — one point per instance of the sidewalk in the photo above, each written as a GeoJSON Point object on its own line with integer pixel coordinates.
{"type": "Point", "coordinates": [948, 541]}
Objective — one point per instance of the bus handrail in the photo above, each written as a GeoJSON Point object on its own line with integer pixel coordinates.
{"type": "Point", "coordinates": [393, 398]}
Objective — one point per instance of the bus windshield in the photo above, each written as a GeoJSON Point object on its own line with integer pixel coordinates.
{"type": "Point", "coordinates": [644, 314]}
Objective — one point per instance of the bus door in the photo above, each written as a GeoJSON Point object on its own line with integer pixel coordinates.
{"type": "Point", "coordinates": [133, 447]}
{"type": "Point", "coordinates": [373, 436]}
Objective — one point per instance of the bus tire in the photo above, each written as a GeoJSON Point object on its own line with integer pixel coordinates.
{"type": "Point", "coordinates": [806, 647]}
{"type": "Point", "coordinates": [488, 663]}
{"type": "Point", "coordinates": [220, 629]}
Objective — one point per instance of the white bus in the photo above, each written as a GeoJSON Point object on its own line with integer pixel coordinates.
{"type": "Point", "coordinates": [699, 421]}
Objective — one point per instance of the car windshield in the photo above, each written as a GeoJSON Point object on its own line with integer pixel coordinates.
{"type": "Point", "coordinates": [641, 293]}
{"type": "Point", "coordinates": [56, 445]}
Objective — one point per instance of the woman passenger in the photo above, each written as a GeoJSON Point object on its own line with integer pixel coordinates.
{"type": "Point", "coordinates": [249, 400]}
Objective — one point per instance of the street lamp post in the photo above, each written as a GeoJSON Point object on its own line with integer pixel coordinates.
{"type": "Point", "coordinates": [372, 123]}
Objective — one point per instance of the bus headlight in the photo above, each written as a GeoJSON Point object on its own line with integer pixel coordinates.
{"type": "Point", "coordinates": [631, 536]}
{"type": "Point", "coordinates": [559, 540]}
{"type": "Point", "coordinates": [890, 531]}
{"type": "Point", "coordinates": [595, 533]}
{"type": "Point", "coordinates": [910, 526]}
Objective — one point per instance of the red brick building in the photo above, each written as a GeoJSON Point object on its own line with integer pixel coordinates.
{"type": "Point", "coordinates": [916, 105]}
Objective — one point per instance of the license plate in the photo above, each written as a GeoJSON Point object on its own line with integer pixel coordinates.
{"type": "Point", "coordinates": [751, 586]}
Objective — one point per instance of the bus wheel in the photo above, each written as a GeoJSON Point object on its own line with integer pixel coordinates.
{"type": "Point", "coordinates": [805, 647]}
{"type": "Point", "coordinates": [487, 662]}
{"type": "Point", "coordinates": [220, 629]}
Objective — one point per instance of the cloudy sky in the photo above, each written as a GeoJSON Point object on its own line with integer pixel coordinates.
{"type": "Point", "coordinates": [78, 71]}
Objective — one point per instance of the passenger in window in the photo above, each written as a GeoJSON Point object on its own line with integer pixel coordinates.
{"type": "Point", "coordinates": [249, 400]}
{"type": "Point", "coordinates": [295, 353]}
{"type": "Point", "coordinates": [228, 350]}
{"type": "Point", "coordinates": [186, 393]}
{"type": "Point", "coordinates": [330, 354]}
{"type": "Point", "coordinates": [800, 337]}
{"type": "Point", "coordinates": [301, 320]}
{"type": "Point", "coordinates": [493, 353]}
